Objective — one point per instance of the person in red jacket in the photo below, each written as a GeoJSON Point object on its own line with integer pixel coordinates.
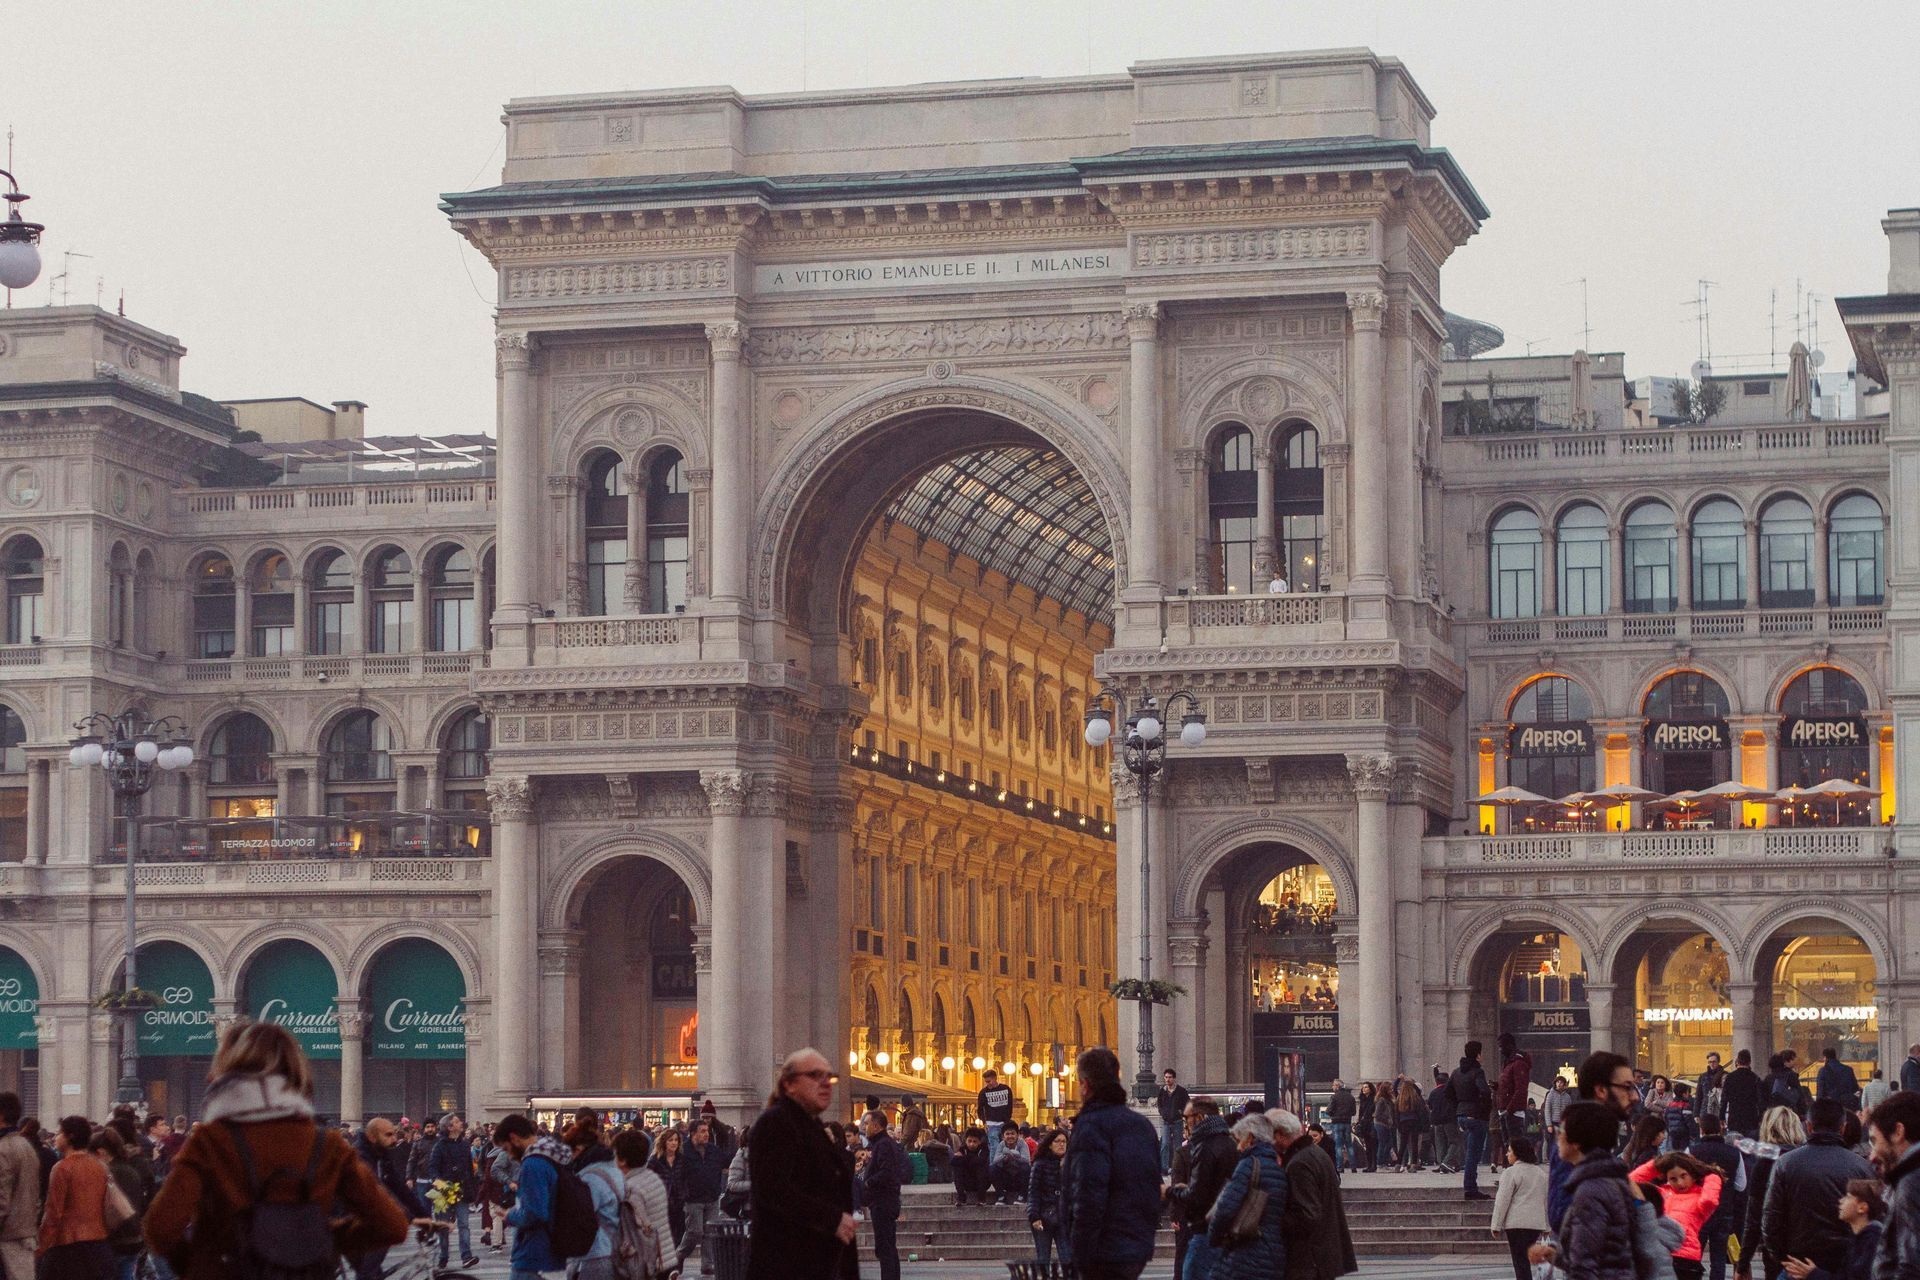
{"type": "Point", "coordinates": [1510, 1097]}
{"type": "Point", "coordinates": [1692, 1193]}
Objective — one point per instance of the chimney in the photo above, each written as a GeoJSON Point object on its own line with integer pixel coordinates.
{"type": "Point", "coordinates": [1903, 250]}
{"type": "Point", "coordinates": [349, 419]}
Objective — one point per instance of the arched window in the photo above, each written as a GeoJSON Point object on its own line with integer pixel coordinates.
{"type": "Point", "coordinates": [1299, 502]}
{"type": "Point", "coordinates": [26, 587]}
{"type": "Point", "coordinates": [241, 752]}
{"type": "Point", "coordinates": [1688, 744]}
{"type": "Point", "coordinates": [391, 603]}
{"type": "Point", "coordinates": [13, 786]}
{"type": "Point", "coordinates": [933, 680]}
{"type": "Point", "coordinates": [969, 1023]}
{"type": "Point", "coordinates": [1550, 740]}
{"type": "Point", "coordinates": [358, 749]}
{"type": "Point", "coordinates": [463, 777]}
{"type": "Point", "coordinates": [358, 766]}
{"type": "Point", "coordinates": [270, 588]}
{"type": "Point", "coordinates": [1786, 554]}
{"type": "Point", "coordinates": [1070, 721]}
{"type": "Point", "coordinates": [456, 610]}
{"type": "Point", "coordinates": [1856, 538]}
{"type": "Point", "coordinates": [1232, 511]}
{"type": "Point", "coordinates": [667, 521]}
{"type": "Point", "coordinates": [120, 597]}
{"type": "Point", "coordinates": [1513, 565]}
{"type": "Point", "coordinates": [1824, 735]}
{"type": "Point", "coordinates": [1581, 549]}
{"type": "Point", "coordinates": [1719, 556]}
{"type": "Point", "coordinates": [606, 517]}
{"type": "Point", "coordinates": [331, 583]}
{"type": "Point", "coordinates": [1650, 564]}
{"type": "Point", "coordinates": [213, 607]}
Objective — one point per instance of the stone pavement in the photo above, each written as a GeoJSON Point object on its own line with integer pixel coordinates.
{"type": "Point", "coordinates": [495, 1268]}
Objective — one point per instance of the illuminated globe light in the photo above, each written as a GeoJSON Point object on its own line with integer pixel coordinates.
{"type": "Point", "coordinates": [1037, 1069]}
{"type": "Point", "coordinates": [146, 751]}
{"type": "Point", "coordinates": [946, 1063]}
{"type": "Point", "coordinates": [19, 264]}
{"type": "Point", "coordinates": [853, 1059]}
{"type": "Point", "coordinates": [1009, 1069]}
{"type": "Point", "coordinates": [919, 1063]}
{"type": "Point", "coordinates": [979, 1063]}
{"type": "Point", "coordinates": [1193, 730]}
{"type": "Point", "coordinates": [882, 1058]}
{"type": "Point", "coordinates": [1099, 728]}
{"type": "Point", "coordinates": [1148, 728]}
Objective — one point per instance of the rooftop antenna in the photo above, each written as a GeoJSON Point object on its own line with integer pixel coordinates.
{"type": "Point", "coordinates": [1703, 327]}
{"type": "Point", "coordinates": [64, 279]}
{"type": "Point", "coordinates": [1773, 337]}
{"type": "Point", "coordinates": [1586, 329]}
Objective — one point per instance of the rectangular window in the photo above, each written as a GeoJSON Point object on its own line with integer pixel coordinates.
{"type": "Point", "coordinates": [933, 760]}
{"type": "Point", "coordinates": [606, 574]}
{"type": "Point", "coordinates": [456, 624]}
{"type": "Point", "coordinates": [1650, 574]}
{"type": "Point", "coordinates": [1233, 539]}
{"type": "Point", "coordinates": [1300, 541]}
{"type": "Point", "coordinates": [993, 709]}
{"type": "Point", "coordinates": [13, 824]}
{"type": "Point", "coordinates": [272, 624]}
{"type": "Point", "coordinates": [876, 894]}
{"type": "Point", "coordinates": [1719, 571]}
{"type": "Point", "coordinates": [910, 900]}
{"type": "Point", "coordinates": [213, 627]}
{"type": "Point", "coordinates": [1786, 570]}
{"type": "Point", "coordinates": [1000, 918]}
{"type": "Point", "coordinates": [1856, 569]}
{"type": "Point", "coordinates": [332, 621]}
{"type": "Point", "coordinates": [1583, 576]}
{"type": "Point", "coordinates": [392, 627]}
{"type": "Point", "coordinates": [23, 617]}
{"type": "Point", "coordinates": [1516, 578]}
{"type": "Point", "coordinates": [667, 572]}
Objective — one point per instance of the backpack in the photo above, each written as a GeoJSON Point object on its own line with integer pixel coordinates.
{"type": "Point", "coordinates": [638, 1253]}
{"type": "Point", "coordinates": [280, 1239]}
{"type": "Point", "coordinates": [573, 1224]}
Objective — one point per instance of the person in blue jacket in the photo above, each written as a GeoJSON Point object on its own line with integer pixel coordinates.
{"type": "Point", "coordinates": [1266, 1254]}
{"type": "Point", "coordinates": [1110, 1180]}
{"type": "Point", "coordinates": [532, 1215]}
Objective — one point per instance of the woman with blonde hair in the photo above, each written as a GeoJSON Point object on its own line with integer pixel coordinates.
{"type": "Point", "coordinates": [1781, 1130]}
{"type": "Point", "coordinates": [257, 1134]}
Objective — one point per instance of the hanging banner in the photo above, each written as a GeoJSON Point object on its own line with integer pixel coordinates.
{"type": "Point", "coordinates": [1533, 741]}
{"type": "Point", "coordinates": [1823, 731]}
{"type": "Point", "coordinates": [291, 985]}
{"type": "Point", "coordinates": [181, 1025]}
{"type": "Point", "coordinates": [1688, 735]}
{"type": "Point", "coordinates": [19, 1003]}
{"type": "Point", "coordinates": [418, 1003]}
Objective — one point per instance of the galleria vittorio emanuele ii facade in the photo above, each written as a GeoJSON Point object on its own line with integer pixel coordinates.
{"type": "Point", "coordinates": [731, 695]}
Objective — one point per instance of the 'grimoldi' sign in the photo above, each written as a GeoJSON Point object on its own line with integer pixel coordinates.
{"type": "Point", "coordinates": [947, 271]}
{"type": "Point", "coordinates": [1687, 735]}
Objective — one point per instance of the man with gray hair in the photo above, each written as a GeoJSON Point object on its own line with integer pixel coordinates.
{"type": "Point", "coordinates": [1314, 1224]}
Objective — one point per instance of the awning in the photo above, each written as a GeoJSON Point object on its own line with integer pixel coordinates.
{"type": "Point", "coordinates": [890, 1086]}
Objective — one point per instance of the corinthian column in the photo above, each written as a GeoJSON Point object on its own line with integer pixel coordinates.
{"type": "Point", "coordinates": [518, 477]}
{"type": "Point", "coordinates": [516, 955]}
{"type": "Point", "coordinates": [353, 1040]}
{"type": "Point", "coordinates": [1366, 435]}
{"type": "Point", "coordinates": [723, 1047]}
{"type": "Point", "coordinates": [1144, 452]}
{"type": "Point", "coordinates": [1372, 775]}
{"type": "Point", "coordinates": [732, 466]}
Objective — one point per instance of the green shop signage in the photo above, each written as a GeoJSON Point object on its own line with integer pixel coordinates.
{"type": "Point", "coordinates": [181, 1025]}
{"type": "Point", "coordinates": [418, 1003]}
{"type": "Point", "coordinates": [291, 985]}
{"type": "Point", "coordinates": [19, 1003]}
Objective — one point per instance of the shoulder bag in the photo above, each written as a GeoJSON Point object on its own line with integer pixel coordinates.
{"type": "Point", "coordinates": [1244, 1228]}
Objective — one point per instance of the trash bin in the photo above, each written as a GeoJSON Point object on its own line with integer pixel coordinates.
{"type": "Point", "coordinates": [727, 1244]}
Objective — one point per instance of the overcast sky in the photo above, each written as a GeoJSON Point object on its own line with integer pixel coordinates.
{"type": "Point", "coordinates": [261, 179]}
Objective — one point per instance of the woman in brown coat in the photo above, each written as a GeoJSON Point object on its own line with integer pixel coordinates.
{"type": "Point", "coordinates": [261, 1095]}
{"type": "Point", "coordinates": [73, 1230]}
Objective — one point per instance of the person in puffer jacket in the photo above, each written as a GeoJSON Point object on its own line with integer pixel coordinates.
{"type": "Point", "coordinates": [1265, 1255]}
{"type": "Point", "coordinates": [1692, 1193]}
{"type": "Point", "coordinates": [1596, 1232]}
{"type": "Point", "coordinates": [1894, 1127]}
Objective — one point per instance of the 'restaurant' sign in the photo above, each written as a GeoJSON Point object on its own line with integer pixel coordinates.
{"type": "Point", "coordinates": [1823, 731]}
{"type": "Point", "coordinates": [1571, 738]}
{"type": "Point", "coordinates": [1688, 735]}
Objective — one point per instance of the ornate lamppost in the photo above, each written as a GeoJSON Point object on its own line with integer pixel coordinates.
{"type": "Point", "coordinates": [1143, 752]}
{"type": "Point", "coordinates": [19, 259]}
{"type": "Point", "coordinates": [131, 750]}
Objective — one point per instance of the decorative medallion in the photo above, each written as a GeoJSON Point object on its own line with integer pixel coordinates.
{"type": "Point", "coordinates": [23, 487]}
{"type": "Point", "coordinates": [789, 407]}
{"type": "Point", "coordinates": [118, 495]}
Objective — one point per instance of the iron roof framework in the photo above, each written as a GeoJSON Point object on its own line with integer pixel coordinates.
{"type": "Point", "coordinates": [1022, 512]}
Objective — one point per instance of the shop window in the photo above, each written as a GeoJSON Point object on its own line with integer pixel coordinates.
{"type": "Point", "coordinates": [453, 598]}
{"type": "Point", "coordinates": [1550, 748]}
{"type": "Point", "coordinates": [270, 588]}
{"type": "Point", "coordinates": [24, 566]}
{"type": "Point", "coordinates": [1650, 545]}
{"type": "Point", "coordinates": [1688, 745]}
{"type": "Point", "coordinates": [1300, 506]}
{"type": "Point", "coordinates": [331, 583]}
{"type": "Point", "coordinates": [1581, 548]}
{"type": "Point", "coordinates": [1823, 996]}
{"type": "Point", "coordinates": [1513, 553]}
{"type": "Point", "coordinates": [1824, 736]}
{"type": "Point", "coordinates": [1856, 538]}
{"type": "Point", "coordinates": [606, 534]}
{"type": "Point", "coordinates": [1232, 509]}
{"type": "Point", "coordinates": [667, 524]}
{"type": "Point", "coordinates": [1681, 994]}
{"type": "Point", "coordinates": [1719, 556]}
{"type": "Point", "coordinates": [241, 752]}
{"type": "Point", "coordinates": [213, 608]}
{"type": "Point", "coordinates": [359, 749]}
{"type": "Point", "coordinates": [1786, 554]}
{"type": "Point", "coordinates": [391, 603]}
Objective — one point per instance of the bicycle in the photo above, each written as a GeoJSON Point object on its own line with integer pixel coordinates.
{"type": "Point", "coordinates": [421, 1263]}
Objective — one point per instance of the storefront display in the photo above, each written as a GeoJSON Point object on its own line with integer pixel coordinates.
{"type": "Point", "coordinates": [1823, 995]}
{"type": "Point", "coordinates": [19, 1034]}
{"type": "Point", "coordinates": [176, 1036]}
{"type": "Point", "coordinates": [1681, 1004]}
{"type": "Point", "coordinates": [417, 1034]}
{"type": "Point", "coordinates": [1543, 1002]}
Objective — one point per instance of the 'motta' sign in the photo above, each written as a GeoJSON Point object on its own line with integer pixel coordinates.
{"type": "Point", "coordinates": [1530, 741]}
{"type": "Point", "coordinates": [1688, 735]}
{"type": "Point", "coordinates": [1823, 731]}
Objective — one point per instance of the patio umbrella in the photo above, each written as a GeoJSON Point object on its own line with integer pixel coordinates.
{"type": "Point", "coordinates": [1686, 801]}
{"type": "Point", "coordinates": [1789, 796]}
{"type": "Point", "coordinates": [1622, 793]}
{"type": "Point", "coordinates": [1840, 789]}
{"type": "Point", "coordinates": [1734, 792]}
{"type": "Point", "coordinates": [1511, 797]}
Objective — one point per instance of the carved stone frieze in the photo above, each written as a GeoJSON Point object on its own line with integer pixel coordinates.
{"type": "Point", "coordinates": [1251, 246]}
{"type": "Point", "coordinates": [1126, 787]}
{"type": "Point", "coordinates": [1017, 335]}
{"type": "Point", "coordinates": [571, 282]}
{"type": "Point", "coordinates": [766, 796]}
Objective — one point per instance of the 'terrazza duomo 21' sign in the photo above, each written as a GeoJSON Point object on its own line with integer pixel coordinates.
{"type": "Point", "coordinates": [960, 270]}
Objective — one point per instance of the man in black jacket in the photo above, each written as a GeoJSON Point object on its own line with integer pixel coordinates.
{"type": "Point", "coordinates": [1446, 1126]}
{"type": "Point", "coordinates": [1711, 1081]}
{"type": "Point", "coordinates": [1894, 1128]}
{"type": "Point", "coordinates": [703, 1177]}
{"type": "Point", "coordinates": [801, 1223]}
{"type": "Point", "coordinates": [1743, 1096]}
{"type": "Point", "coordinates": [1910, 1070]}
{"type": "Point", "coordinates": [1340, 1108]}
{"type": "Point", "coordinates": [1473, 1105]}
{"type": "Point", "coordinates": [880, 1181]}
{"type": "Point", "coordinates": [1801, 1215]}
{"type": "Point", "coordinates": [1110, 1185]}
{"type": "Point", "coordinates": [1210, 1157]}
{"type": "Point", "coordinates": [1713, 1148]}
{"type": "Point", "coordinates": [995, 1106]}
{"type": "Point", "coordinates": [1836, 1080]}
{"type": "Point", "coordinates": [1171, 1102]}
{"type": "Point", "coordinates": [375, 1145]}
{"type": "Point", "coordinates": [452, 1161]}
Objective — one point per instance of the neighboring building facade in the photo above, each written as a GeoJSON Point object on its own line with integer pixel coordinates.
{"type": "Point", "coordinates": [847, 444]}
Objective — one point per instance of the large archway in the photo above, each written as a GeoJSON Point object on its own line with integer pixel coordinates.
{"type": "Point", "coordinates": [638, 997]}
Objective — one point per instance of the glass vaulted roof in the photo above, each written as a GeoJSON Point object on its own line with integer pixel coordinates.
{"type": "Point", "coordinates": [1022, 512]}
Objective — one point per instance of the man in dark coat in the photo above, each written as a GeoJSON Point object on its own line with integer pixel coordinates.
{"type": "Point", "coordinates": [801, 1223]}
{"type": "Point", "coordinates": [1473, 1106]}
{"type": "Point", "coordinates": [1800, 1217]}
{"type": "Point", "coordinates": [1171, 1103]}
{"type": "Point", "coordinates": [1205, 1163]}
{"type": "Point", "coordinates": [1110, 1186]}
{"type": "Point", "coordinates": [1910, 1072]}
{"type": "Point", "coordinates": [1511, 1097]}
{"type": "Point", "coordinates": [1711, 1081]}
{"type": "Point", "coordinates": [375, 1145]}
{"type": "Point", "coordinates": [1340, 1109]}
{"type": "Point", "coordinates": [881, 1178]}
{"type": "Point", "coordinates": [1894, 1128]}
{"type": "Point", "coordinates": [1836, 1080]}
{"type": "Point", "coordinates": [1446, 1129]}
{"type": "Point", "coordinates": [451, 1160]}
{"type": "Point", "coordinates": [1319, 1246]}
{"type": "Point", "coordinates": [1742, 1096]}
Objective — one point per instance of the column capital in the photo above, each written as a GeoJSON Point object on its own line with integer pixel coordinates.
{"type": "Point", "coordinates": [510, 797]}
{"type": "Point", "coordinates": [702, 948]}
{"type": "Point", "coordinates": [1346, 947]}
{"type": "Point", "coordinates": [1126, 787]}
{"type": "Point", "coordinates": [766, 795]}
{"type": "Point", "coordinates": [1372, 773]}
{"type": "Point", "coordinates": [1143, 321]}
{"type": "Point", "coordinates": [1368, 308]}
{"type": "Point", "coordinates": [513, 349]}
{"type": "Point", "coordinates": [726, 790]}
{"type": "Point", "coordinates": [726, 338]}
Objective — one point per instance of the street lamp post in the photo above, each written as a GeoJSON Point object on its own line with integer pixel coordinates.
{"type": "Point", "coordinates": [19, 259]}
{"type": "Point", "coordinates": [1144, 754]}
{"type": "Point", "coordinates": [129, 750]}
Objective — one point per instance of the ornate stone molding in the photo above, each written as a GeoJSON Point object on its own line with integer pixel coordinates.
{"type": "Point", "coordinates": [766, 795]}
{"type": "Point", "coordinates": [561, 283]}
{"type": "Point", "coordinates": [1251, 246]}
{"type": "Point", "coordinates": [726, 338]}
{"type": "Point", "coordinates": [702, 949]}
{"type": "Point", "coordinates": [513, 349]}
{"type": "Point", "coordinates": [1368, 307]}
{"type": "Point", "coordinates": [1016, 335]}
{"type": "Point", "coordinates": [1126, 787]}
{"type": "Point", "coordinates": [510, 797]}
{"type": "Point", "coordinates": [1143, 321]}
{"type": "Point", "coordinates": [726, 790]}
{"type": "Point", "coordinates": [1372, 772]}
{"type": "Point", "coordinates": [1346, 947]}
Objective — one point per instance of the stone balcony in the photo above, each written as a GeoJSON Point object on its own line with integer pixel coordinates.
{"type": "Point", "coordinates": [1785, 845]}
{"type": "Point", "coordinates": [19, 881]}
{"type": "Point", "coordinates": [355, 669]}
{"type": "Point", "coordinates": [1555, 454]}
{"type": "Point", "coordinates": [1679, 626]}
{"type": "Point", "coordinates": [397, 502]}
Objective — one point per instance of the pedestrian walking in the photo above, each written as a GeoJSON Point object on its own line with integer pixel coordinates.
{"type": "Point", "coordinates": [1713, 1149]}
{"type": "Point", "coordinates": [1110, 1183]}
{"type": "Point", "coordinates": [1780, 1131]}
{"type": "Point", "coordinates": [1170, 1102]}
{"type": "Point", "coordinates": [451, 1161]}
{"type": "Point", "coordinates": [669, 1164]}
{"type": "Point", "coordinates": [1384, 1104]}
{"type": "Point", "coordinates": [1800, 1216]}
{"type": "Point", "coordinates": [19, 1194]}
{"type": "Point", "coordinates": [1261, 1252]}
{"type": "Point", "coordinates": [1743, 1096]}
{"type": "Point", "coordinates": [1473, 1105]}
{"type": "Point", "coordinates": [1512, 1096]}
{"type": "Point", "coordinates": [802, 1223]}
{"type": "Point", "coordinates": [124, 1240]}
{"type": "Point", "coordinates": [1520, 1204]}
{"type": "Point", "coordinates": [594, 1163]}
{"type": "Point", "coordinates": [73, 1228]}
{"type": "Point", "coordinates": [1690, 1191]}
{"type": "Point", "coordinates": [1783, 1083]}
{"type": "Point", "coordinates": [1442, 1112]}
{"type": "Point", "coordinates": [1314, 1224]}
{"type": "Point", "coordinates": [646, 1246]}
{"type": "Point", "coordinates": [1409, 1122]}
{"type": "Point", "coordinates": [1836, 1080]}
{"type": "Point", "coordinates": [1553, 1107]}
{"type": "Point", "coordinates": [881, 1178]}
{"type": "Point", "coordinates": [1364, 1106]}
{"type": "Point", "coordinates": [1340, 1109]}
{"type": "Point", "coordinates": [1910, 1070]}
{"type": "Point", "coordinates": [257, 1131]}
{"type": "Point", "coordinates": [1875, 1091]}
{"type": "Point", "coordinates": [541, 1157]}
{"type": "Point", "coordinates": [1210, 1156]}
{"type": "Point", "coordinates": [913, 1122]}
{"type": "Point", "coordinates": [1894, 1128]}
{"type": "Point", "coordinates": [372, 1145]}
{"type": "Point", "coordinates": [1707, 1090]}
{"type": "Point", "coordinates": [1594, 1238]}
{"type": "Point", "coordinates": [1043, 1196]}
{"type": "Point", "coordinates": [703, 1179]}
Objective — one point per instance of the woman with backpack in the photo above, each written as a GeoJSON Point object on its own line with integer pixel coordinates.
{"type": "Point", "coordinates": [594, 1162]}
{"type": "Point", "coordinates": [644, 1245]}
{"type": "Point", "coordinates": [123, 1239]}
{"type": "Point", "coordinates": [258, 1173]}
